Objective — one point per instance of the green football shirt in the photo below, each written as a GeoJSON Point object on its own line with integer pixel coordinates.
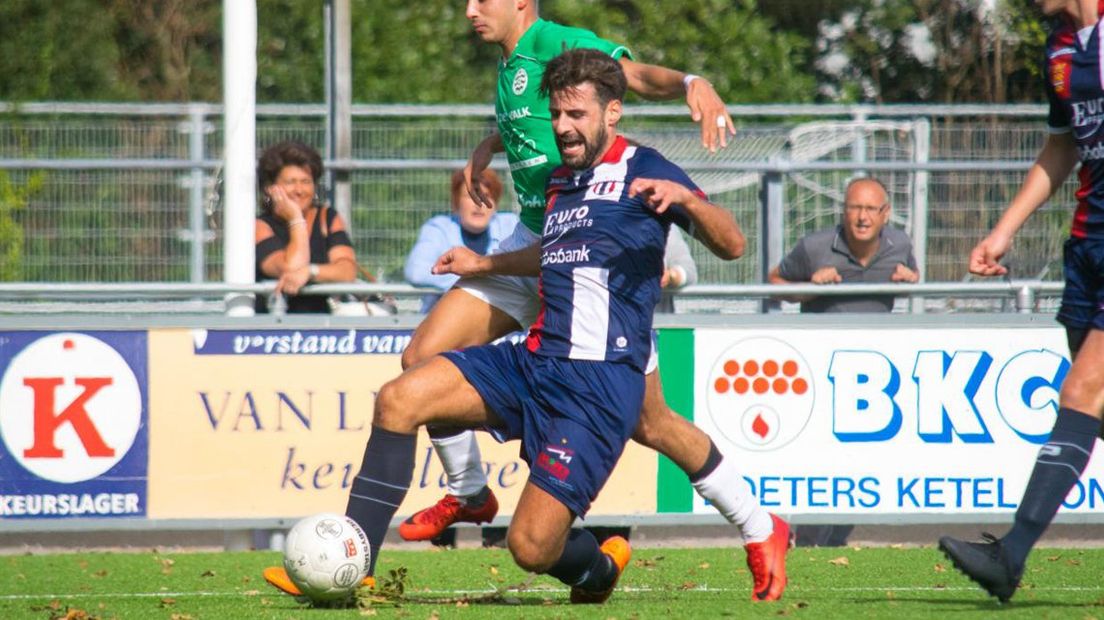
{"type": "Point", "coordinates": [522, 112]}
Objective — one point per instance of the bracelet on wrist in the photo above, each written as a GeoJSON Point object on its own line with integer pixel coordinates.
{"type": "Point", "coordinates": [298, 221]}
{"type": "Point", "coordinates": [686, 79]}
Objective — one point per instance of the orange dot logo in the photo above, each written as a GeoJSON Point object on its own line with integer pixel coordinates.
{"type": "Point", "coordinates": [762, 393]}
{"type": "Point", "coordinates": [770, 368]}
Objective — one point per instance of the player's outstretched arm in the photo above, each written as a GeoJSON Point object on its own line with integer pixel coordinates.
{"type": "Point", "coordinates": [712, 225]}
{"type": "Point", "coordinates": [481, 158]}
{"type": "Point", "coordinates": [706, 107]}
{"type": "Point", "coordinates": [463, 262]}
{"type": "Point", "coordinates": [1054, 163]}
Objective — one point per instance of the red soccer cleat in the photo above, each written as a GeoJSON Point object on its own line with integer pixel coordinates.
{"type": "Point", "coordinates": [278, 577]}
{"type": "Point", "coordinates": [767, 562]}
{"type": "Point", "coordinates": [429, 523]}
{"type": "Point", "coordinates": [619, 550]}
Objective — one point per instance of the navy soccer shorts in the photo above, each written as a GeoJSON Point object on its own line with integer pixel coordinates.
{"type": "Point", "coordinates": [1083, 297]}
{"type": "Point", "coordinates": [573, 416]}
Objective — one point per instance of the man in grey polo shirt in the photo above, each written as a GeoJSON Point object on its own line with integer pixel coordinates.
{"type": "Point", "coordinates": [861, 249]}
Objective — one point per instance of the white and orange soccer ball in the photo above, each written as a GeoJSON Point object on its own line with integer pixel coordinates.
{"type": "Point", "coordinates": [327, 556]}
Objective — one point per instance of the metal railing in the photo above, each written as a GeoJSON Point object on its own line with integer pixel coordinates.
{"type": "Point", "coordinates": [1024, 293]}
{"type": "Point", "coordinates": [150, 191]}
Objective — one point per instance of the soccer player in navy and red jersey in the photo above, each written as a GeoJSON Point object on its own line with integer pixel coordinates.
{"type": "Point", "coordinates": [572, 391]}
{"type": "Point", "coordinates": [480, 310]}
{"type": "Point", "coordinates": [1074, 63]}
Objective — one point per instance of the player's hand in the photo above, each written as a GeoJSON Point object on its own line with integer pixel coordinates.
{"type": "Point", "coordinates": [473, 170]}
{"type": "Point", "coordinates": [986, 255]}
{"type": "Point", "coordinates": [673, 277]}
{"type": "Point", "coordinates": [659, 194]}
{"type": "Point", "coordinates": [903, 274]}
{"type": "Point", "coordinates": [826, 275]}
{"type": "Point", "coordinates": [291, 281]}
{"type": "Point", "coordinates": [282, 204]}
{"type": "Point", "coordinates": [460, 261]}
{"type": "Point", "coordinates": [707, 109]}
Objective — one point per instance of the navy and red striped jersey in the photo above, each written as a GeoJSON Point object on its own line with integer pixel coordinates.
{"type": "Point", "coordinates": [602, 258]}
{"type": "Point", "coordinates": [1075, 89]}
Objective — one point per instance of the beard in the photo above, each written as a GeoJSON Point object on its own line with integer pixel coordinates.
{"type": "Point", "coordinates": [590, 152]}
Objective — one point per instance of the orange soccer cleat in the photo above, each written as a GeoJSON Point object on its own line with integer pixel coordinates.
{"type": "Point", "coordinates": [278, 577]}
{"type": "Point", "coordinates": [619, 550]}
{"type": "Point", "coordinates": [429, 523]}
{"type": "Point", "coordinates": [767, 562]}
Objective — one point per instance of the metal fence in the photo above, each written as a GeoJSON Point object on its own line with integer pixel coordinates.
{"type": "Point", "coordinates": [129, 193]}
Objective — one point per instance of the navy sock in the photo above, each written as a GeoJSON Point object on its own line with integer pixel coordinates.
{"type": "Point", "coordinates": [1059, 464]}
{"type": "Point", "coordinates": [380, 486]}
{"type": "Point", "coordinates": [583, 564]}
{"type": "Point", "coordinates": [711, 462]}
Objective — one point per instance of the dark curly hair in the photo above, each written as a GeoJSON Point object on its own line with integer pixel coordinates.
{"type": "Point", "coordinates": [277, 157]}
{"type": "Point", "coordinates": [574, 68]}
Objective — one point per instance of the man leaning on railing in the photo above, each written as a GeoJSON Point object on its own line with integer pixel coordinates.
{"type": "Point", "coordinates": [861, 249]}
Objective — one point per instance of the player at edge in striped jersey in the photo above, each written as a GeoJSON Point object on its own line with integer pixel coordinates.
{"type": "Point", "coordinates": [1075, 88]}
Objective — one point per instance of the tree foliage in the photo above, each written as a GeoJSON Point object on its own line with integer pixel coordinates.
{"type": "Point", "coordinates": [743, 53]}
{"type": "Point", "coordinates": [418, 52]}
{"type": "Point", "coordinates": [425, 52]}
{"type": "Point", "coordinates": [931, 50]}
{"type": "Point", "coordinates": [61, 49]}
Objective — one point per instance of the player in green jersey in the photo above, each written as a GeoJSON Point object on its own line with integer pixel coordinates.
{"type": "Point", "coordinates": [479, 310]}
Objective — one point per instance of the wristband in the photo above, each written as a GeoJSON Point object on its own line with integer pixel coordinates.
{"type": "Point", "coordinates": [314, 269]}
{"type": "Point", "coordinates": [686, 79]}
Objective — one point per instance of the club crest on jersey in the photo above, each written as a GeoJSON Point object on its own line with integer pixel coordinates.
{"type": "Point", "coordinates": [521, 81]}
{"type": "Point", "coordinates": [604, 190]}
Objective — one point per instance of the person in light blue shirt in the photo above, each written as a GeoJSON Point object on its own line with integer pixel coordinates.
{"type": "Point", "coordinates": [477, 227]}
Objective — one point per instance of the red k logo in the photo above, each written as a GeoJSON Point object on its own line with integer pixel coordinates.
{"type": "Point", "coordinates": [47, 422]}
{"type": "Point", "coordinates": [70, 407]}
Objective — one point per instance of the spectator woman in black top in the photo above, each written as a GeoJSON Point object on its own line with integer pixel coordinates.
{"type": "Point", "coordinates": [299, 239]}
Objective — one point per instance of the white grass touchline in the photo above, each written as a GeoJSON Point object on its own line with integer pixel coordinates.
{"type": "Point", "coordinates": [414, 594]}
{"type": "Point", "coordinates": [791, 588]}
{"type": "Point", "coordinates": [19, 597]}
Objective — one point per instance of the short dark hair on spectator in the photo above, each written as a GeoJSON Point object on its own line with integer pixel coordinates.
{"type": "Point", "coordinates": [573, 68]}
{"type": "Point", "coordinates": [278, 156]}
{"type": "Point", "coordinates": [489, 179]}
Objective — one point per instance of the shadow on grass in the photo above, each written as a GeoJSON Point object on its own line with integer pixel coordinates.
{"type": "Point", "coordinates": [987, 604]}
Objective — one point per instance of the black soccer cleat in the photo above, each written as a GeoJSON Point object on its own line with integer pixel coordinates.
{"type": "Point", "coordinates": [985, 563]}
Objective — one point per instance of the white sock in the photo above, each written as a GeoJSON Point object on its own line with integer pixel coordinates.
{"type": "Point", "coordinates": [731, 495]}
{"type": "Point", "coordinates": [463, 464]}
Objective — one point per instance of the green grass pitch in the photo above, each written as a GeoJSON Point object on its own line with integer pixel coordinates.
{"type": "Point", "coordinates": [672, 583]}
